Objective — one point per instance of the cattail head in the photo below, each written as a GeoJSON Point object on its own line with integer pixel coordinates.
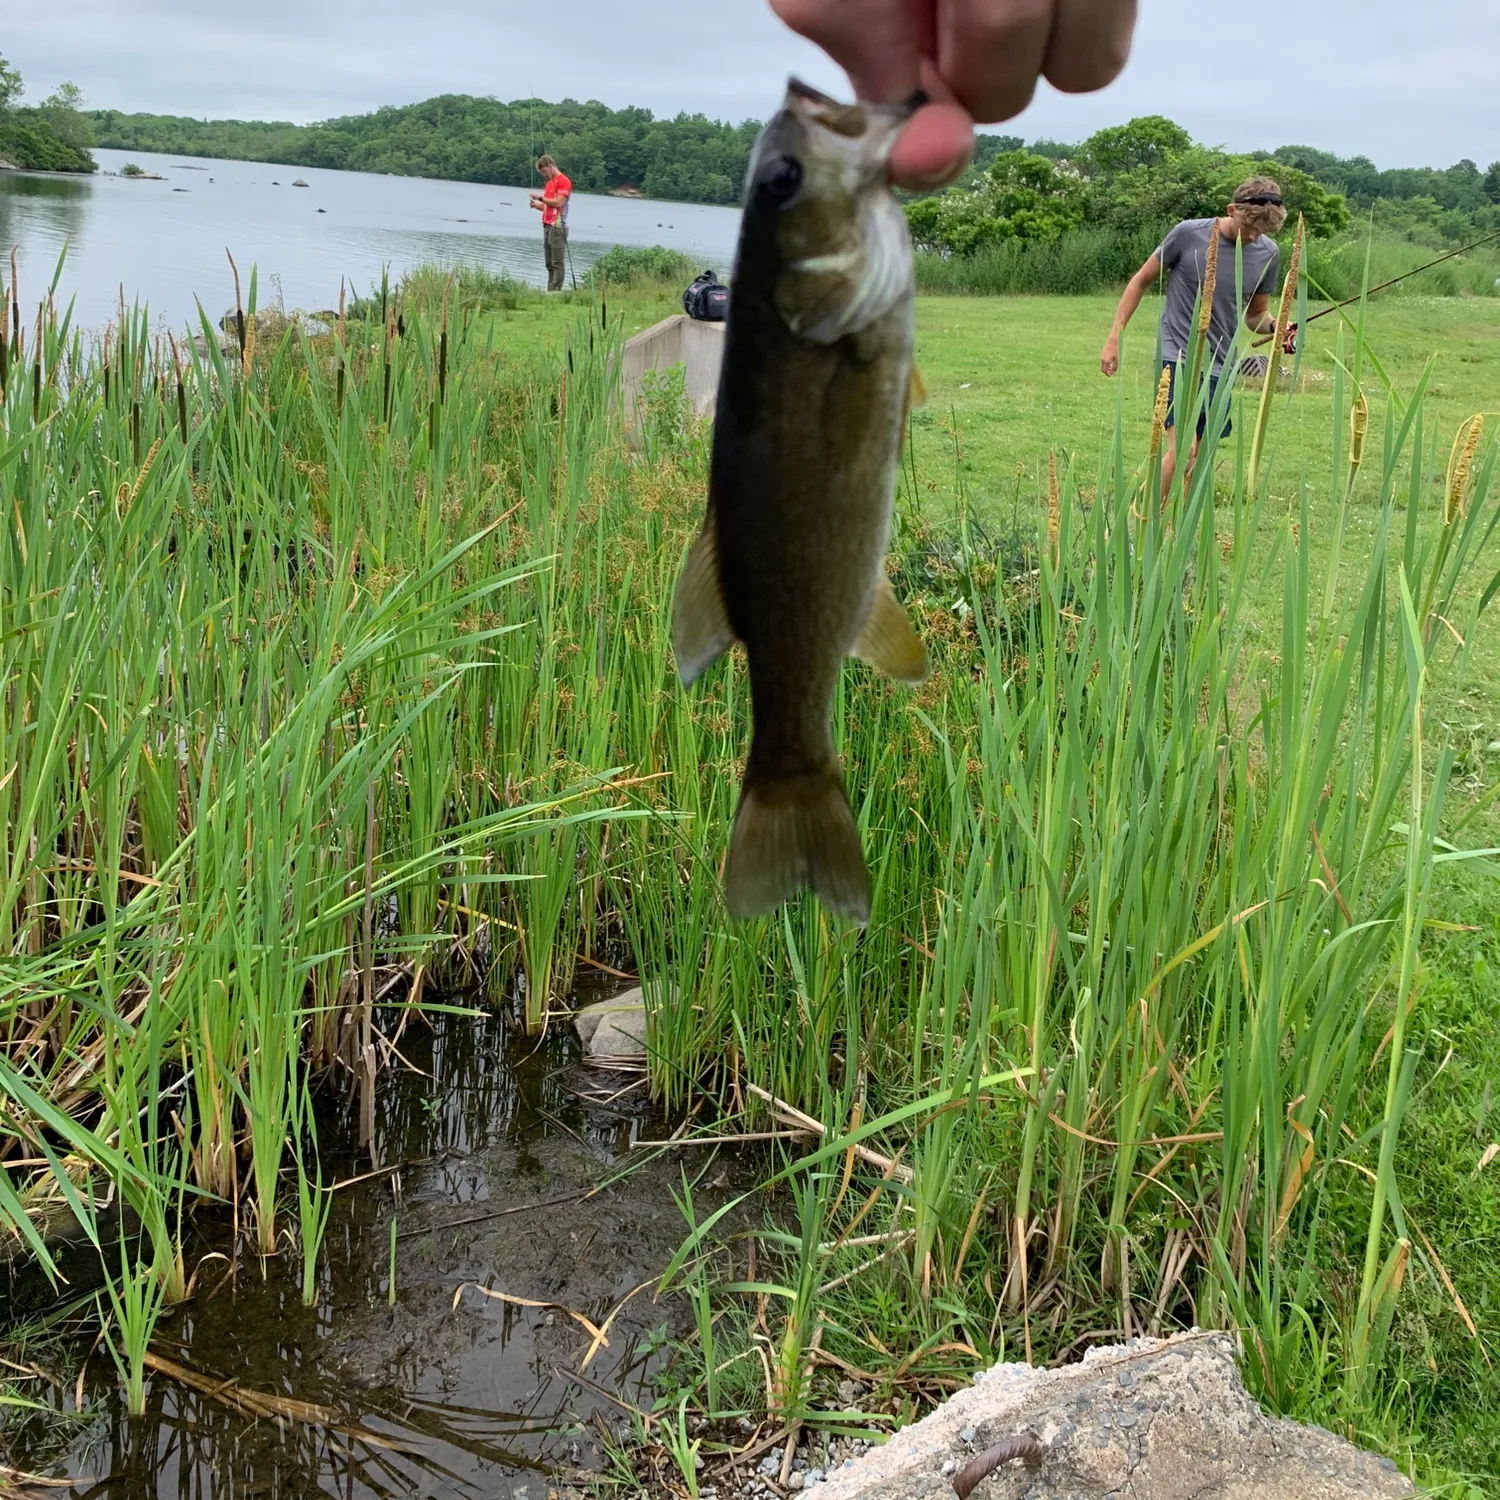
{"type": "Point", "coordinates": [1461, 465]}
{"type": "Point", "coordinates": [1210, 284]}
{"type": "Point", "coordinates": [1289, 287]}
{"type": "Point", "coordinates": [1359, 425]}
{"type": "Point", "coordinates": [1159, 416]}
{"type": "Point", "coordinates": [1054, 504]}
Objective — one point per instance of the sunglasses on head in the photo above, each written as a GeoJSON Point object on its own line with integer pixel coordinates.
{"type": "Point", "coordinates": [1261, 198]}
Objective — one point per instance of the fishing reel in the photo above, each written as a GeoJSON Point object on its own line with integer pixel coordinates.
{"type": "Point", "coordinates": [1289, 345]}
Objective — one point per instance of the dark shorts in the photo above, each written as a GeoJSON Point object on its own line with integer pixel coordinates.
{"type": "Point", "coordinates": [1213, 387]}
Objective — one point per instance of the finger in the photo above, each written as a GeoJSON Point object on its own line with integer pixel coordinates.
{"type": "Point", "coordinates": [991, 51]}
{"type": "Point", "coordinates": [1089, 45]}
{"type": "Point", "coordinates": [934, 149]}
{"type": "Point", "coordinates": [876, 42]}
{"type": "Point", "coordinates": [939, 141]}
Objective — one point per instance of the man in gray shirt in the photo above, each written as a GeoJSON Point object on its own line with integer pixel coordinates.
{"type": "Point", "coordinates": [1254, 214]}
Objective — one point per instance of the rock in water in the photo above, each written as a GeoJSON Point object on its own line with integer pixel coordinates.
{"type": "Point", "coordinates": [614, 1031]}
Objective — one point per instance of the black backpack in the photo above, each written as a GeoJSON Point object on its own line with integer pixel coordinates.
{"type": "Point", "coordinates": [707, 299]}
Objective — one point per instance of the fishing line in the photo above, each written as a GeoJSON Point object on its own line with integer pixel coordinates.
{"type": "Point", "coordinates": [1350, 301]}
{"type": "Point", "coordinates": [1462, 250]}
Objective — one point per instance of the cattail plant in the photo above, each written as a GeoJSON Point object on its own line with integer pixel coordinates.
{"type": "Point", "coordinates": [1273, 359]}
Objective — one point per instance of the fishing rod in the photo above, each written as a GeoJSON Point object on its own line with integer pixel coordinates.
{"type": "Point", "coordinates": [1291, 333]}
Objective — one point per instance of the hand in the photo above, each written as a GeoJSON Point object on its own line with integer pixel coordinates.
{"type": "Point", "coordinates": [977, 60]}
{"type": "Point", "coordinates": [1109, 358]}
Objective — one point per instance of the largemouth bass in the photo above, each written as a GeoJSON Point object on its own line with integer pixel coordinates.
{"type": "Point", "coordinates": [812, 403]}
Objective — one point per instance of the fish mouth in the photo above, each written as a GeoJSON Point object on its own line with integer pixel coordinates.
{"type": "Point", "coordinates": [851, 120]}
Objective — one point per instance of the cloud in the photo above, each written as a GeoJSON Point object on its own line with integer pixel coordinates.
{"type": "Point", "coordinates": [1401, 83]}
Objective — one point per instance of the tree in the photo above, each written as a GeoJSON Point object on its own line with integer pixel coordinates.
{"type": "Point", "coordinates": [1020, 196]}
{"type": "Point", "coordinates": [1147, 141]}
{"type": "Point", "coordinates": [68, 96]}
{"type": "Point", "coordinates": [63, 111]}
{"type": "Point", "coordinates": [1198, 184]}
{"type": "Point", "coordinates": [1492, 182]}
{"type": "Point", "coordinates": [11, 86]}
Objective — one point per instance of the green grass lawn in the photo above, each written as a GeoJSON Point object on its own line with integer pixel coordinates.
{"type": "Point", "coordinates": [1013, 380]}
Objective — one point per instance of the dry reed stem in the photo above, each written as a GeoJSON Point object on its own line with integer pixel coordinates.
{"type": "Point", "coordinates": [239, 306]}
{"type": "Point", "coordinates": [264, 1405]}
{"type": "Point", "coordinates": [592, 1328]}
{"type": "Point", "coordinates": [9, 1476]}
{"type": "Point", "coordinates": [790, 1116]}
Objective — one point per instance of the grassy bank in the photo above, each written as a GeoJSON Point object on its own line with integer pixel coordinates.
{"type": "Point", "coordinates": [353, 678]}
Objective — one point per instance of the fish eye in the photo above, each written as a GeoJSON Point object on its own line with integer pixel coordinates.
{"type": "Point", "coordinates": [780, 181]}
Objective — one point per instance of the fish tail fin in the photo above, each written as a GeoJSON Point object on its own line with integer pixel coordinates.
{"type": "Point", "coordinates": [791, 833]}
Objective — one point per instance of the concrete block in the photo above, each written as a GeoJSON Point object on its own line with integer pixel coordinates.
{"type": "Point", "coordinates": [698, 347]}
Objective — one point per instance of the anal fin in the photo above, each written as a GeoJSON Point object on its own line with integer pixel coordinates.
{"type": "Point", "coordinates": [888, 641]}
{"type": "Point", "coordinates": [701, 632]}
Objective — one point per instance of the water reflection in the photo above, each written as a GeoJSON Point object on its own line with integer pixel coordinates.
{"type": "Point", "coordinates": [39, 214]}
{"type": "Point", "coordinates": [415, 1398]}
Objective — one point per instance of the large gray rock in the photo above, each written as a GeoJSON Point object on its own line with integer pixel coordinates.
{"type": "Point", "coordinates": [1150, 1420]}
{"type": "Point", "coordinates": [614, 1031]}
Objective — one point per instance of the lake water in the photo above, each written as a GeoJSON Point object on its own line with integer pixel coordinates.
{"type": "Point", "coordinates": [164, 242]}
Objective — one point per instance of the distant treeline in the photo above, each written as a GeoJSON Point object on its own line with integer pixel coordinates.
{"type": "Point", "coordinates": [696, 159]}
{"type": "Point", "coordinates": [465, 139]}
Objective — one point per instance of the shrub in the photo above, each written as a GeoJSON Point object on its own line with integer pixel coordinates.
{"type": "Point", "coordinates": [1020, 196]}
{"type": "Point", "coordinates": [1088, 260]}
{"type": "Point", "coordinates": [639, 265]}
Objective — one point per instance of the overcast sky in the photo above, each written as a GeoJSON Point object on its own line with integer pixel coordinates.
{"type": "Point", "coordinates": [1405, 83]}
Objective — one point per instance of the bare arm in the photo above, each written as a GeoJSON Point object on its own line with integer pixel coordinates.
{"type": "Point", "coordinates": [1130, 299]}
{"type": "Point", "coordinates": [975, 59]}
{"type": "Point", "coordinates": [1257, 314]}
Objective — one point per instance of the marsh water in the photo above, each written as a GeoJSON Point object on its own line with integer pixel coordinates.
{"type": "Point", "coordinates": [164, 241]}
{"type": "Point", "coordinates": [495, 1142]}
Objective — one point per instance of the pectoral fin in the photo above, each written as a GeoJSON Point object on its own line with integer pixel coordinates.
{"type": "Point", "coordinates": [888, 642]}
{"type": "Point", "coordinates": [701, 632]}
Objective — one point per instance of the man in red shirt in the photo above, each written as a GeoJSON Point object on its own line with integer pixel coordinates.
{"type": "Point", "coordinates": [552, 202]}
